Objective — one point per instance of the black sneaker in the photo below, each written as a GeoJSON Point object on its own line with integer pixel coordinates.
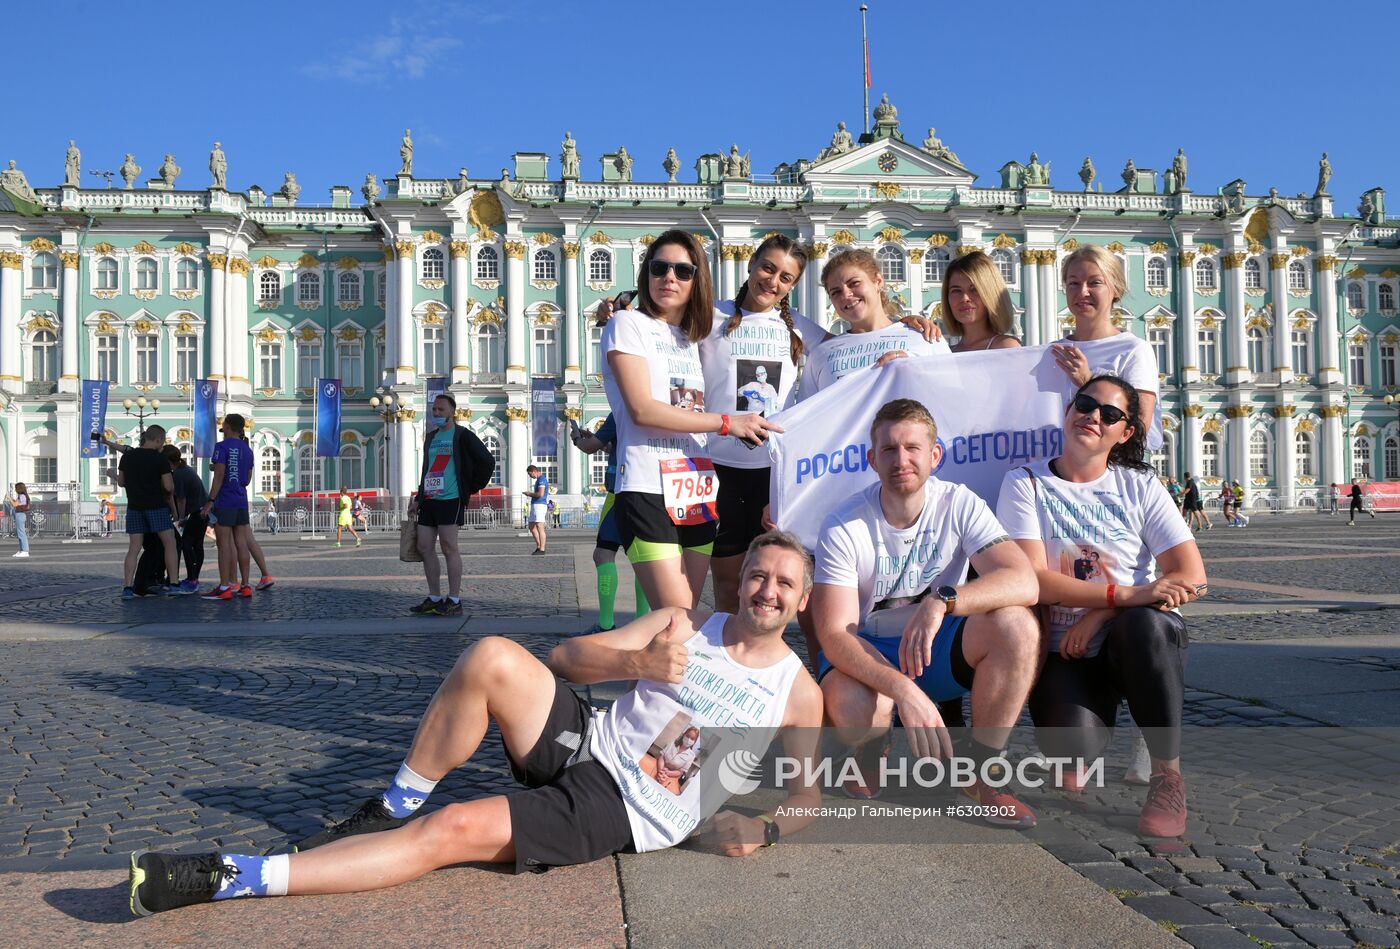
{"type": "Point", "coordinates": [162, 881]}
{"type": "Point", "coordinates": [447, 608]}
{"type": "Point", "coordinates": [371, 818]}
{"type": "Point", "coordinates": [427, 606]}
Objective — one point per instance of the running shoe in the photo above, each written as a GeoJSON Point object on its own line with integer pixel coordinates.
{"type": "Point", "coordinates": [596, 628]}
{"type": "Point", "coordinates": [446, 607]}
{"type": "Point", "coordinates": [869, 759]}
{"type": "Point", "coordinates": [24, 553]}
{"type": "Point", "coordinates": [128, 593]}
{"type": "Point", "coordinates": [1164, 814]}
{"type": "Point", "coordinates": [1140, 768]}
{"type": "Point", "coordinates": [358, 542]}
{"type": "Point", "coordinates": [536, 552]}
{"type": "Point", "coordinates": [179, 589]}
{"type": "Point", "coordinates": [427, 607]}
{"type": "Point", "coordinates": [191, 585]}
{"type": "Point", "coordinates": [371, 818]}
{"type": "Point", "coordinates": [162, 881]}
{"type": "Point", "coordinates": [265, 583]}
{"type": "Point", "coordinates": [1002, 810]}
{"type": "Point", "coordinates": [337, 543]}
{"type": "Point", "coordinates": [217, 593]}
{"type": "Point", "coordinates": [246, 592]}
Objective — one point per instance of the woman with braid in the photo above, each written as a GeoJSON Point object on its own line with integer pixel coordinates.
{"type": "Point", "coordinates": [750, 360]}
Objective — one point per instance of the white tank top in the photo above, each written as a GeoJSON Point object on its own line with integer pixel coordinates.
{"type": "Point", "coordinates": [736, 708]}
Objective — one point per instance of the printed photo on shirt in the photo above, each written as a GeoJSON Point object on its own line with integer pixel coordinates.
{"type": "Point", "coordinates": [676, 754]}
{"type": "Point", "coordinates": [759, 381]}
{"type": "Point", "coordinates": [685, 396]}
{"type": "Point", "coordinates": [1084, 563]}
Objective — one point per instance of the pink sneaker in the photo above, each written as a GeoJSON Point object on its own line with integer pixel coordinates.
{"type": "Point", "coordinates": [265, 583]}
{"type": "Point", "coordinates": [1002, 810]}
{"type": "Point", "coordinates": [1164, 814]}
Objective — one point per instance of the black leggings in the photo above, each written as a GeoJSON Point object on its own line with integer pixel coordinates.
{"type": "Point", "coordinates": [192, 545]}
{"type": "Point", "coordinates": [1142, 659]}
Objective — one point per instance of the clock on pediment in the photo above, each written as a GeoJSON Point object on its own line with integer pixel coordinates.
{"type": "Point", "coordinates": [887, 162]}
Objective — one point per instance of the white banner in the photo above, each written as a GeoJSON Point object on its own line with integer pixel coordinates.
{"type": "Point", "coordinates": [995, 411]}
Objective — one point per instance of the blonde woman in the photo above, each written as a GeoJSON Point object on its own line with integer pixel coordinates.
{"type": "Point", "coordinates": [977, 305]}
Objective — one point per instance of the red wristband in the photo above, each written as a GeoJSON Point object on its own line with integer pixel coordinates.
{"type": "Point", "coordinates": [1112, 588]}
{"type": "Point", "coordinates": [724, 425]}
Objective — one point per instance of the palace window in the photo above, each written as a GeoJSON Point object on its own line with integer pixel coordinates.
{"type": "Point", "coordinates": [348, 288]}
{"type": "Point", "coordinates": [488, 264]}
{"type": "Point", "coordinates": [891, 261]}
{"type": "Point", "coordinates": [43, 272]}
{"type": "Point", "coordinates": [1006, 265]}
{"type": "Point", "coordinates": [269, 365]}
{"type": "Point", "coordinates": [350, 362]}
{"type": "Point", "coordinates": [598, 469]}
{"type": "Point", "coordinates": [1256, 349]}
{"type": "Point", "coordinates": [45, 470]}
{"type": "Point", "coordinates": [43, 357]}
{"type": "Point", "coordinates": [308, 363]}
{"type": "Point", "coordinates": [381, 280]}
{"type": "Point", "coordinates": [1302, 352]}
{"type": "Point", "coordinates": [270, 471]}
{"type": "Point", "coordinates": [352, 467]}
{"type": "Point", "coordinates": [186, 274]}
{"type": "Point", "coordinates": [545, 267]}
{"type": "Point", "coordinates": [549, 467]}
{"type": "Point", "coordinates": [432, 264]}
{"type": "Point", "coordinates": [595, 349]}
{"type": "Point", "coordinates": [600, 266]}
{"type": "Point", "coordinates": [146, 274]}
{"type": "Point", "coordinates": [546, 351]}
{"type": "Point", "coordinates": [107, 359]}
{"type": "Point", "coordinates": [1390, 456]}
{"type": "Point", "coordinates": [434, 352]}
{"type": "Point", "coordinates": [1161, 342]}
{"type": "Point", "coordinates": [1356, 363]}
{"type": "Point", "coordinates": [935, 266]}
{"type": "Point", "coordinates": [308, 477]}
{"type": "Point", "coordinates": [1297, 275]}
{"type": "Point", "coordinates": [107, 274]}
{"type": "Point", "coordinates": [1253, 274]}
{"type": "Point", "coordinates": [1259, 454]}
{"type": "Point", "coordinates": [493, 445]}
{"type": "Point", "coordinates": [269, 287]}
{"type": "Point", "coordinates": [1388, 361]}
{"type": "Point", "coordinates": [1210, 456]}
{"type": "Point", "coordinates": [488, 348]}
{"type": "Point", "coordinates": [186, 358]}
{"type": "Point", "coordinates": [1209, 347]}
{"type": "Point", "coordinates": [1385, 297]}
{"type": "Point", "coordinates": [1156, 273]}
{"type": "Point", "coordinates": [1356, 297]}
{"type": "Point", "coordinates": [309, 288]}
{"type": "Point", "coordinates": [1205, 274]}
{"type": "Point", "coordinates": [1361, 457]}
{"type": "Point", "coordinates": [1302, 455]}
{"type": "Point", "coordinates": [147, 359]}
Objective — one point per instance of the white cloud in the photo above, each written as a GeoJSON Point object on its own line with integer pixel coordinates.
{"type": "Point", "coordinates": [407, 51]}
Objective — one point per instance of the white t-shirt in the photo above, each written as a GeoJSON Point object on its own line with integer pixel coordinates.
{"type": "Point", "coordinates": [843, 355]}
{"type": "Point", "coordinates": [676, 378]}
{"type": "Point", "coordinates": [1106, 531]}
{"type": "Point", "coordinates": [890, 568]}
{"type": "Point", "coordinates": [1132, 359]}
{"type": "Point", "coordinates": [751, 370]}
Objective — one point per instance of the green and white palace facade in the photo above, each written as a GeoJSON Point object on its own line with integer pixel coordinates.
{"type": "Point", "coordinates": [1274, 318]}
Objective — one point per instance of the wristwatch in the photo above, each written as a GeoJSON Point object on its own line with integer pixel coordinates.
{"type": "Point", "coordinates": [949, 596]}
{"type": "Point", "coordinates": [770, 830]}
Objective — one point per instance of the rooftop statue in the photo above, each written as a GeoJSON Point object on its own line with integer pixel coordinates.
{"type": "Point", "coordinates": [406, 153]}
{"type": "Point", "coordinates": [169, 171]}
{"type": "Point", "coordinates": [671, 164]}
{"type": "Point", "coordinates": [1179, 169]}
{"type": "Point", "coordinates": [841, 143]}
{"type": "Point", "coordinates": [1130, 175]}
{"type": "Point", "coordinates": [1324, 175]}
{"type": "Point", "coordinates": [130, 171]}
{"type": "Point", "coordinates": [13, 181]}
{"type": "Point", "coordinates": [568, 158]}
{"type": "Point", "coordinates": [290, 188]}
{"type": "Point", "coordinates": [1087, 173]}
{"type": "Point", "coordinates": [463, 184]}
{"type": "Point", "coordinates": [370, 189]}
{"type": "Point", "coordinates": [935, 147]}
{"type": "Point", "coordinates": [218, 167]}
{"type": "Point", "coordinates": [1036, 173]}
{"type": "Point", "coordinates": [623, 163]}
{"type": "Point", "coordinates": [72, 166]}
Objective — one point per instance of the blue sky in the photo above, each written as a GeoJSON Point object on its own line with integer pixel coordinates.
{"type": "Point", "coordinates": [1251, 90]}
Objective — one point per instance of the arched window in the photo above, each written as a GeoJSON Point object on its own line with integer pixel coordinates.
{"type": "Point", "coordinates": [146, 274]}
{"type": "Point", "coordinates": [1356, 361]}
{"type": "Point", "coordinates": [1390, 456]}
{"type": "Point", "coordinates": [1208, 344]}
{"type": "Point", "coordinates": [308, 477]}
{"type": "Point", "coordinates": [1256, 348]}
{"type": "Point", "coordinates": [1006, 264]}
{"type": "Point", "coordinates": [43, 272]}
{"type": "Point", "coordinates": [186, 274]}
{"type": "Point", "coordinates": [1156, 273]}
{"type": "Point", "coordinates": [935, 266]}
{"type": "Point", "coordinates": [493, 445]}
{"type": "Point", "coordinates": [1259, 466]}
{"type": "Point", "coordinates": [488, 348]}
{"type": "Point", "coordinates": [488, 264]}
{"type": "Point", "coordinates": [1205, 274]}
{"type": "Point", "coordinates": [434, 351]}
{"type": "Point", "coordinates": [309, 287]}
{"type": "Point", "coordinates": [600, 266]}
{"type": "Point", "coordinates": [147, 359]}
{"type": "Point", "coordinates": [432, 264]}
{"type": "Point", "coordinates": [1210, 455]}
{"type": "Point", "coordinates": [1302, 455]}
{"type": "Point", "coordinates": [1253, 274]}
{"type": "Point", "coordinates": [270, 471]}
{"type": "Point", "coordinates": [107, 274]}
{"type": "Point", "coordinates": [1356, 297]}
{"type": "Point", "coordinates": [1385, 296]}
{"type": "Point", "coordinates": [269, 287]}
{"type": "Point", "coordinates": [352, 467]}
{"type": "Point", "coordinates": [43, 357]}
{"type": "Point", "coordinates": [1297, 275]}
{"type": "Point", "coordinates": [546, 351]}
{"type": "Point", "coordinates": [891, 261]}
{"type": "Point", "coordinates": [1361, 457]}
{"type": "Point", "coordinates": [545, 266]}
{"type": "Point", "coordinates": [1302, 351]}
{"type": "Point", "coordinates": [348, 287]}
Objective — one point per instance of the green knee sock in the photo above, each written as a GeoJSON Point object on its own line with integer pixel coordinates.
{"type": "Point", "coordinates": [607, 593]}
{"type": "Point", "coordinates": [642, 608]}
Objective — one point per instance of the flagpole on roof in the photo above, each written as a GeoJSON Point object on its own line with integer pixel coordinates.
{"type": "Point", "coordinates": [865, 79]}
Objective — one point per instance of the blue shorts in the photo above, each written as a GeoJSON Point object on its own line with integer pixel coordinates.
{"type": "Point", "coordinates": [148, 521]}
{"type": "Point", "coordinates": [937, 681]}
{"type": "Point", "coordinates": [608, 537]}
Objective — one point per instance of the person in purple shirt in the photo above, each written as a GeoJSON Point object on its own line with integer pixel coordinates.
{"type": "Point", "coordinates": [228, 499]}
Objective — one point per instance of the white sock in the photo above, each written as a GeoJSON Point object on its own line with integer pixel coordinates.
{"type": "Point", "coordinates": [277, 872]}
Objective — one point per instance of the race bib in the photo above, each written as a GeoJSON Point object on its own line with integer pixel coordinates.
{"type": "Point", "coordinates": [432, 484]}
{"type": "Point", "coordinates": [689, 487]}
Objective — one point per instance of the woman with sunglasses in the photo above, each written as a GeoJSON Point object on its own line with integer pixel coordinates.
{"type": "Point", "coordinates": [666, 484]}
{"type": "Point", "coordinates": [977, 305]}
{"type": "Point", "coordinates": [1094, 283]}
{"type": "Point", "coordinates": [1116, 636]}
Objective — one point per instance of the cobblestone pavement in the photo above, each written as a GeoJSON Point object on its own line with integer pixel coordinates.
{"type": "Point", "coordinates": [108, 744]}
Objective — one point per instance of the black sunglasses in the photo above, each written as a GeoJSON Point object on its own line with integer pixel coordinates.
{"type": "Point", "coordinates": [659, 268]}
{"type": "Point", "coordinates": [1111, 414]}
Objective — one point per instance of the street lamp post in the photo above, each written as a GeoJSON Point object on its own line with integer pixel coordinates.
{"type": "Point", "coordinates": [383, 404]}
{"type": "Point", "coordinates": [142, 409]}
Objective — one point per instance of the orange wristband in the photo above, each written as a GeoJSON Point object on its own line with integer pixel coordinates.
{"type": "Point", "coordinates": [724, 425]}
{"type": "Point", "coordinates": [1112, 588]}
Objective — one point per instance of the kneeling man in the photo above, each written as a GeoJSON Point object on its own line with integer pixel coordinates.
{"type": "Point", "coordinates": [898, 626]}
{"type": "Point", "coordinates": [716, 683]}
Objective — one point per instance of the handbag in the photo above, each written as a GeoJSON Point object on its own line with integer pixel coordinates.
{"type": "Point", "coordinates": [408, 541]}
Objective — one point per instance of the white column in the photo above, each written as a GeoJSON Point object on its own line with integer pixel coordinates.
{"type": "Point", "coordinates": [1186, 354]}
{"type": "Point", "coordinates": [236, 320]}
{"type": "Point", "coordinates": [816, 295]}
{"type": "Point", "coordinates": [916, 280]}
{"type": "Point", "coordinates": [517, 457]}
{"type": "Point", "coordinates": [1278, 289]}
{"type": "Point", "coordinates": [68, 373]}
{"type": "Point", "coordinates": [461, 329]}
{"type": "Point", "coordinates": [1237, 447]}
{"type": "Point", "coordinates": [391, 317]}
{"type": "Point", "coordinates": [1030, 297]}
{"type": "Point", "coordinates": [217, 339]}
{"type": "Point", "coordinates": [515, 313]}
{"type": "Point", "coordinates": [573, 459]}
{"type": "Point", "coordinates": [405, 473]}
{"type": "Point", "coordinates": [1191, 433]}
{"type": "Point", "coordinates": [68, 440]}
{"type": "Point", "coordinates": [1049, 301]}
{"type": "Point", "coordinates": [1236, 361]}
{"type": "Point", "coordinates": [572, 324]}
{"type": "Point", "coordinates": [10, 290]}
{"type": "Point", "coordinates": [1329, 366]}
{"type": "Point", "coordinates": [404, 372]}
{"type": "Point", "coordinates": [1333, 468]}
{"type": "Point", "coordinates": [1283, 456]}
{"type": "Point", "coordinates": [728, 284]}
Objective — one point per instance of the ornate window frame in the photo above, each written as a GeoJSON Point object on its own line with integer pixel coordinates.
{"type": "Point", "coordinates": [184, 324]}
{"type": "Point", "coordinates": [605, 257]}
{"type": "Point", "coordinates": [486, 260]}
{"type": "Point", "coordinates": [269, 333]}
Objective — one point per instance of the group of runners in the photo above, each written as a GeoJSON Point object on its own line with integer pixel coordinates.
{"type": "Point", "coordinates": [920, 592]}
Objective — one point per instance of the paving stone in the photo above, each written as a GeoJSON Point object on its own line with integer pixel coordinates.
{"type": "Point", "coordinates": [1323, 937]}
{"type": "Point", "coordinates": [1196, 864]}
{"type": "Point", "coordinates": [1295, 917]}
{"type": "Point", "coordinates": [1278, 897]}
{"type": "Point", "coordinates": [1222, 879]}
{"type": "Point", "coordinates": [1215, 937]}
{"type": "Point", "coordinates": [1238, 915]}
{"type": "Point", "coordinates": [1121, 878]}
{"type": "Point", "coordinates": [1173, 909]}
{"type": "Point", "coordinates": [1205, 896]}
{"type": "Point", "coordinates": [1375, 937]}
{"type": "Point", "coordinates": [1273, 936]}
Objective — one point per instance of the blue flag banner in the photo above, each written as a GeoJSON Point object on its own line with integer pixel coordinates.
{"type": "Point", "coordinates": [328, 418]}
{"type": "Point", "coordinates": [94, 418]}
{"type": "Point", "coordinates": [206, 412]}
{"type": "Point", "coordinates": [433, 388]}
{"type": "Point", "coordinates": [544, 417]}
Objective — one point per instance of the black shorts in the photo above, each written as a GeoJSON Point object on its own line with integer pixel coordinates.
{"type": "Point", "coordinates": [437, 513]}
{"type": "Point", "coordinates": [574, 812]}
{"type": "Point", "coordinates": [230, 516]}
{"type": "Point", "coordinates": [648, 533]}
{"type": "Point", "coordinates": [743, 494]}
